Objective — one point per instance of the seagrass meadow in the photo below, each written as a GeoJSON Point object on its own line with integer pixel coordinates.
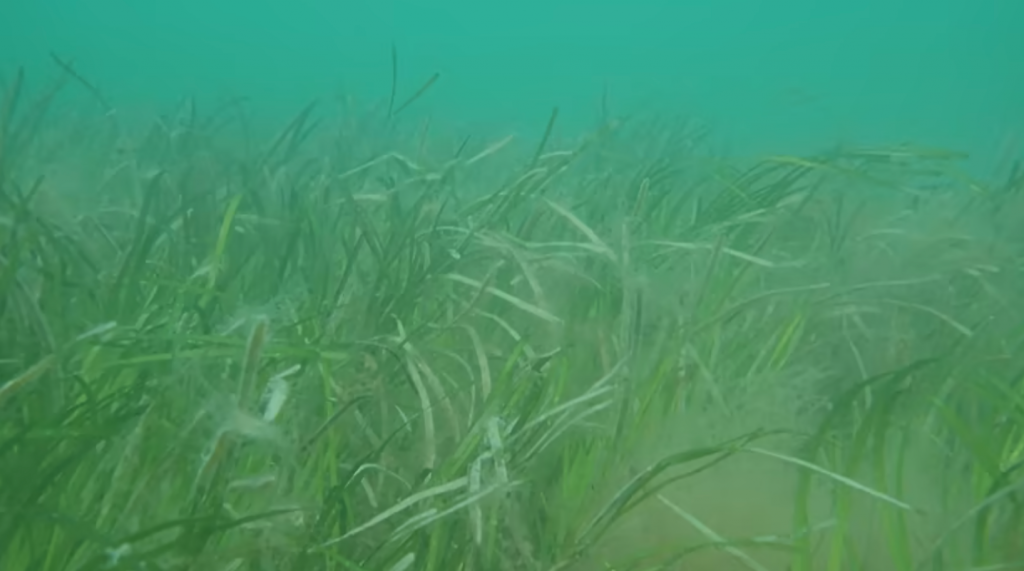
{"type": "Point", "coordinates": [368, 343]}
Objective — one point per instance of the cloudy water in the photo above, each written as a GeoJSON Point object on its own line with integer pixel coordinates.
{"type": "Point", "coordinates": [778, 76]}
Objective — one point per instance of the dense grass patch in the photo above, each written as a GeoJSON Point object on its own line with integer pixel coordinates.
{"type": "Point", "coordinates": [358, 346]}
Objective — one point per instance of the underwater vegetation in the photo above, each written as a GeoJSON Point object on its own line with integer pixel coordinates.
{"type": "Point", "coordinates": [363, 345]}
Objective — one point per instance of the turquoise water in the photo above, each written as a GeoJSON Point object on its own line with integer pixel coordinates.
{"type": "Point", "coordinates": [784, 76]}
